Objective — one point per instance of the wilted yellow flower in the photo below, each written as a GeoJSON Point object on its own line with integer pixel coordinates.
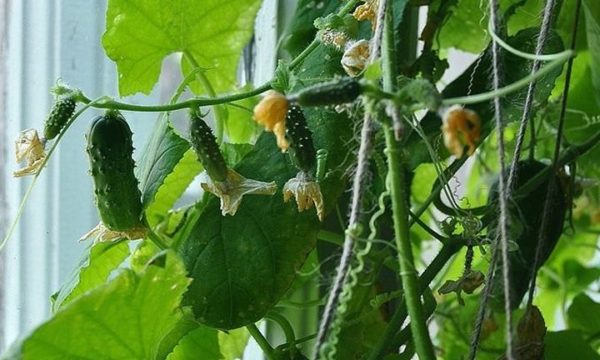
{"type": "Point", "coordinates": [461, 127]}
{"type": "Point", "coordinates": [468, 283]}
{"type": "Point", "coordinates": [234, 188]}
{"type": "Point", "coordinates": [355, 57]}
{"type": "Point", "coordinates": [270, 112]}
{"type": "Point", "coordinates": [29, 148]}
{"type": "Point", "coordinates": [367, 11]}
{"type": "Point", "coordinates": [103, 234]}
{"type": "Point", "coordinates": [307, 193]}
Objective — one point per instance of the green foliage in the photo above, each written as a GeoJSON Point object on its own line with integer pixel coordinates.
{"type": "Point", "coordinates": [140, 34]}
{"type": "Point", "coordinates": [94, 269]}
{"type": "Point", "coordinates": [127, 316]}
{"type": "Point", "coordinates": [223, 272]}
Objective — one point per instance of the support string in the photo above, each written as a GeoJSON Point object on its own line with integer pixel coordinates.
{"type": "Point", "coordinates": [357, 197]}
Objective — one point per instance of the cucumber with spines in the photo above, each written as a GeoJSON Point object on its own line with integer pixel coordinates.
{"type": "Point", "coordinates": [340, 91]}
{"type": "Point", "coordinates": [61, 112]}
{"type": "Point", "coordinates": [110, 150]}
{"type": "Point", "coordinates": [302, 149]}
{"type": "Point", "coordinates": [206, 147]}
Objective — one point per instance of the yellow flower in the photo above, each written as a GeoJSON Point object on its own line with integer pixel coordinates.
{"type": "Point", "coordinates": [306, 192]}
{"type": "Point", "coordinates": [30, 149]}
{"type": "Point", "coordinates": [270, 112]}
{"type": "Point", "coordinates": [234, 188]}
{"type": "Point", "coordinates": [355, 57]}
{"type": "Point", "coordinates": [461, 127]}
{"type": "Point", "coordinates": [103, 234]}
{"type": "Point", "coordinates": [367, 11]}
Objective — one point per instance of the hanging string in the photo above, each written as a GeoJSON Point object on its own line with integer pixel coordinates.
{"type": "Point", "coordinates": [555, 165]}
{"type": "Point", "coordinates": [357, 197]}
{"type": "Point", "coordinates": [502, 239]}
{"type": "Point", "coordinates": [539, 48]}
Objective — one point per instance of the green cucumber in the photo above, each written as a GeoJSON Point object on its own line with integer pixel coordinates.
{"type": "Point", "coordinates": [61, 112]}
{"type": "Point", "coordinates": [340, 91]}
{"type": "Point", "coordinates": [524, 224]}
{"type": "Point", "coordinates": [302, 149]}
{"type": "Point", "coordinates": [110, 150]}
{"type": "Point", "coordinates": [206, 147]}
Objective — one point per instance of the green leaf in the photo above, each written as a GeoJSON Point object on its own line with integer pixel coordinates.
{"type": "Point", "coordinates": [93, 271]}
{"type": "Point", "coordinates": [233, 343]}
{"type": "Point", "coordinates": [124, 319]}
{"type": "Point", "coordinates": [568, 344]}
{"type": "Point", "coordinates": [584, 314]}
{"type": "Point", "coordinates": [161, 155]}
{"type": "Point", "coordinates": [173, 186]}
{"type": "Point", "coordinates": [301, 31]}
{"type": "Point", "coordinates": [465, 29]}
{"type": "Point", "coordinates": [201, 343]}
{"type": "Point", "coordinates": [141, 33]}
{"type": "Point", "coordinates": [591, 9]}
{"type": "Point", "coordinates": [243, 264]}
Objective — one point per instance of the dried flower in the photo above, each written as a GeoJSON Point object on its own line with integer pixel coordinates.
{"type": "Point", "coordinates": [307, 193]}
{"type": "Point", "coordinates": [355, 57]}
{"type": "Point", "coordinates": [468, 283]}
{"type": "Point", "coordinates": [29, 148]}
{"type": "Point", "coordinates": [334, 38]}
{"type": "Point", "coordinates": [270, 112]}
{"type": "Point", "coordinates": [461, 127]}
{"type": "Point", "coordinates": [101, 233]}
{"type": "Point", "coordinates": [234, 188]}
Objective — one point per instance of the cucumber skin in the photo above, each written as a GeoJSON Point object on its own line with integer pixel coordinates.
{"type": "Point", "coordinates": [61, 112]}
{"type": "Point", "coordinates": [110, 149]}
{"type": "Point", "coordinates": [340, 91]}
{"type": "Point", "coordinates": [206, 148]}
{"type": "Point", "coordinates": [302, 149]}
{"type": "Point", "coordinates": [529, 212]}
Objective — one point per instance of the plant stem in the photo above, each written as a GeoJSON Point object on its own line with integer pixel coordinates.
{"type": "Point", "coordinates": [191, 103]}
{"type": "Point", "coordinates": [517, 85]}
{"type": "Point", "coordinates": [285, 326]}
{"type": "Point", "coordinates": [408, 272]}
{"type": "Point", "coordinates": [261, 341]}
{"type": "Point", "coordinates": [389, 338]}
{"type": "Point", "coordinates": [400, 205]}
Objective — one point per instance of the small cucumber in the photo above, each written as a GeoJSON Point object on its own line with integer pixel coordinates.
{"type": "Point", "coordinates": [110, 150]}
{"type": "Point", "coordinates": [339, 91]}
{"type": "Point", "coordinates": [524, 224]}
{"type": "Point", "coordinates": [61, 112]}
{"type": "Point", "coordinates": [206, 148]}
{"type": "Point", "coordinates": [300, 138]}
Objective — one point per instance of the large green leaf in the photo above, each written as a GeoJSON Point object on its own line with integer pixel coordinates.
{"type": "Point", "coordinates": [201, 343]}
{"type": "Point", "coordinates": [93, 271]}
{"type": "Point", "coordinates": [162, 153]}
{"type": "Point", "coordinates": [591, 9]}
{"type": "Point", "coordinates": [584, 314]}
{"type": "Point", "coordinates": [568, 344]}
{"type": "Point", "coordinates": [243, 264]}
{"type": "Point", "coordinates": [125, 319]}
{"type": "Point", "coordinates": [141, 33]}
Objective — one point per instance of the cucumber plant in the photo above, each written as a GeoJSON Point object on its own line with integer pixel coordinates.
{"type": "Point", "coordinates": [354, 124]}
